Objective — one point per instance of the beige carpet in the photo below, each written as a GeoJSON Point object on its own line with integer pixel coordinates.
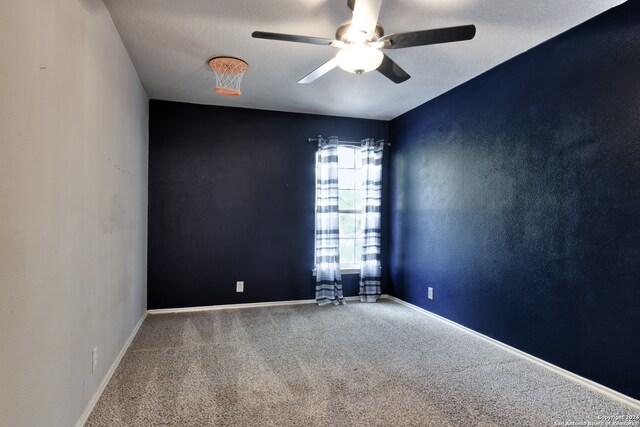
{"type": "Point", "coordinates": [377, 364]}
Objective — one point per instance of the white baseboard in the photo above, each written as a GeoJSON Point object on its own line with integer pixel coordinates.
{"type": "Point", "coordinates": [233, 306]}
{"type": "Point", "coordinates": [558, 370]}
{"type": "Point", "coordinates": [109, 374]}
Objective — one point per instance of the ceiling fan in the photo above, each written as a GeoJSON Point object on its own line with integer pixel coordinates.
{"type": "Point", "coordinates": [361, 38]}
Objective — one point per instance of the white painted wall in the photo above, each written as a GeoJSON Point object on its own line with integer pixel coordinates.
{"type": "Point", "coordinates": [73, 205]}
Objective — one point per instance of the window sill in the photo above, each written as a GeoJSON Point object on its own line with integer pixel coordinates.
{"type": "Point", "coordinates": [346, 269]}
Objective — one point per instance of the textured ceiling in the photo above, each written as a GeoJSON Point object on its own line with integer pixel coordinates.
{"type": "Point", "coordinates": [170, 42]}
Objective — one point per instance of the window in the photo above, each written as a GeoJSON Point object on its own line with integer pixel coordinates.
{"type": "Point", "coordinates": [349, 207]}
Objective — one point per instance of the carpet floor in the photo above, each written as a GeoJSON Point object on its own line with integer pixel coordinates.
{"type": "Point", "coordinates": [377, 364]}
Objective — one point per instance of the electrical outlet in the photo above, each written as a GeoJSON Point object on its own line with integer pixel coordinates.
{"type": "Point", "coordinates": [430, 292]}
{"type": "Point", "coordinates": [239, 286]}
{"type": "Point", "coordinates": [94, 359]}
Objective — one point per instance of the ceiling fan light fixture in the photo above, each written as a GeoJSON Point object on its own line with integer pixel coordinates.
{"type": "Point", "coordinates": [359, 58]}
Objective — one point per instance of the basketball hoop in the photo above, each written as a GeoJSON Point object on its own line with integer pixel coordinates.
{"type": "Point", "coordinates": [229, 72]}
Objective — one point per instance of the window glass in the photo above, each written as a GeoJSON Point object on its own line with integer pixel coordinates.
{"type": "Point", "coordinates": [348, 200]}
{"type": "Point", "coordinates": [358, 250]}
{"type": "Point", "coordinates": [348, 225]}
{"type": "Point", "coordinates": [350, 184]}
{"type": "Point", "coordinates": [347, 251]}
{"type": "Point", "coordinates": [346, 157]}
{"type": "Point", "coordinates": [349, 205]}
{"type": "Point", "coordinates": [357, 194]}
{"type": "Point", "coordinates": [348, 178]}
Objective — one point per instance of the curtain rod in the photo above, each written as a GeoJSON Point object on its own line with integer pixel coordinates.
{"type": "Point", "coordinates": [320, 138]}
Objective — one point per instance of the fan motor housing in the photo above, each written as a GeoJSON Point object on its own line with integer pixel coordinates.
{"type": "Point", "coordinates": [342, 30]}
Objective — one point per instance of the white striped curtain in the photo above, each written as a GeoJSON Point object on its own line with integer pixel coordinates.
{"type": "Point", "coordinates": [328, 278]}
{"type": "Point", "coordinates": [370, 269]}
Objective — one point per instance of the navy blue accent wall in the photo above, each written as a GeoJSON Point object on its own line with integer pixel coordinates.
{"type": "Point", "coordinates": [516, 196]}
{"type": "Point", "coordinates": [231, 197]}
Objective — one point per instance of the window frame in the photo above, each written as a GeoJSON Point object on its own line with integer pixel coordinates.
{"type": "Point", "coordinates": [345, 268]}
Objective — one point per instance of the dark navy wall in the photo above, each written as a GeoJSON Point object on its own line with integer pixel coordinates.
{"type": "Point", "coordinates": [516, 196]}
{"type": "Point", "coordinates": [231, 197]}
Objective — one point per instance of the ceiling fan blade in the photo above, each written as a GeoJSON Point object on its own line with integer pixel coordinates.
{"type": "Point", "coordinates": [392, 71]}
{"type": "Point", "coordinates": [365, 16]}
{"type": "Point", "coordinates": [320, 71]}
{"type": "Point", "coordinates": [291, 38]}
{"type": "Point", "coordinates": [426, 37]}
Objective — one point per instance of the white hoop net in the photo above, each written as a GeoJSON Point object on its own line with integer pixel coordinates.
{"type": "Point", "coordinates": [229, 72]}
